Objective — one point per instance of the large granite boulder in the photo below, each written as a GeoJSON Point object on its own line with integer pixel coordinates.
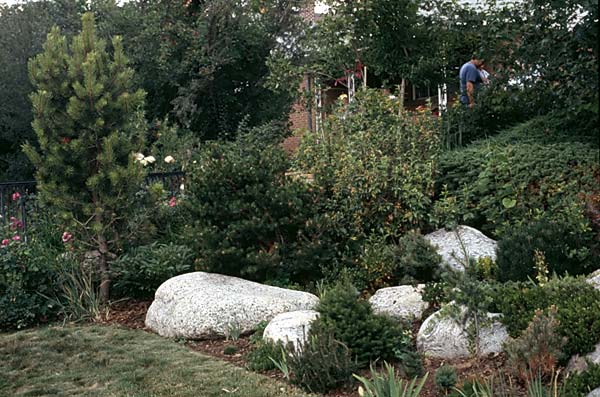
{"type": "Point", "coordinates": [579, 363]}
{"type": "Point", "coordinates": [594, 279]}
{"type": "Point", "coordinates": [594, 393]}
{"type": "Point", "coordinates": [452, 244]}
{"type": "Point", "coordinates": [442, 336]}
{"type": "Point", "coordinates": [202, 305]}
{"type": "Point", "coordinates": [290, 327]}
{"type": "Point", "coordinates": [403, 302]}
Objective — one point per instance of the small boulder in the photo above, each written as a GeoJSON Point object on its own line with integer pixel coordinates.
{"type": "Point", "coordinates": [594, 279]}
{"type": "Point", "coordinates": [403, 302]}
{"type": "Point", "coordinates": [578, 363]}
{"type": "Point", "coordinates": [442, 336]}
{"type": "Point", "coordinates": [290, 327]}
{"type": "Point", "coordinates": [203, 305]}
{"type": "Point", "coordinates": [452, 244]}
{"type": "Point", "coordinates": [594, 393]}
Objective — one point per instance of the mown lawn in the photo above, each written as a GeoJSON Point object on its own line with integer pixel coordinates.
{"type": "Point", "coordinates": [110, 361]}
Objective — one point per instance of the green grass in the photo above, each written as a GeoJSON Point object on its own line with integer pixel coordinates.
{"type": "Point", "coordinates": [109, 361]}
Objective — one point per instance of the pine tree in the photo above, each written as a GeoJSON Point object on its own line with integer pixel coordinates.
{"type": "Point", "coordinates": [88, 122]}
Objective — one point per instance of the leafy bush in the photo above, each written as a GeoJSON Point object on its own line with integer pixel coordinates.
{"type": "Point", "coordinates": [382, 264]}
{"type": "Point", "coordinates": [496, 185]}
{"type": "Point", "coordinates": [374, 168]}
{"type": "Point", "coordinates": [538, 349]}
{"type": "Point", "coordinates": [577, 306]}
{"type": "Point", "coordinates": [142, 270]}
{"type": "Point", "coordinates": [352, 322]}
{"type": "Point", "coordinates": [248, 216]}
{"type": "Point", "coordinates": [565, 250]}
{"type": "Point", "coordinates": [28, 273]}
{"type": "Point", "coordinates": [577, 385]}
{"type": "Point", "coordinates": [387, 384]}
{"type": "Point", "coordinates": [322, 364]}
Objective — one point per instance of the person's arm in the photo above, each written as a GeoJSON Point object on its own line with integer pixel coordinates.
{"type": "Point", "coordinates": [471, 93]}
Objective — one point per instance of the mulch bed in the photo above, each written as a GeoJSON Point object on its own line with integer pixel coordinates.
{"type": "Point", "coordinates": [131, 314]}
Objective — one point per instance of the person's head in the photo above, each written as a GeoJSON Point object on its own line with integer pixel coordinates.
{"type": "Point", "coordinates": [477, 60]}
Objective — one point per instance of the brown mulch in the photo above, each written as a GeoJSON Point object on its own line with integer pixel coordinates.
{"type": "Point", "coordinates": [131, 314]}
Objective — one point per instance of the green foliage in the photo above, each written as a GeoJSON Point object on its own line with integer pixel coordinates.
{"type": "Point", "coordinates": [373, 167]}
{"type": "Point", "coordinates": [260, 358]}
{"type": "Point", "coordinates": [205, 63]}
{"type": "Point", "coordinates": [87, 122]}
{"type": "Point", "coordinates": [387, 384]}
{"type": "Point", "coordinates": [499, 183]}
{"type": "Point", "coordinates": [322, 364]}
{"type": "Point", "coordinates": [581, 384]}
{"type": "Point", "coordinates": [436, 293]}
{"type": "Point", "coordinates": [445, 377]}
{"type": "Point", "coordinates": [577, 304]}
{"type": "Point", "coordinates": [352, 322]}
{"type": "Point", "coordinates": [566, 251]}
{"type": "Point", "coordinates": [538, 349]}
{"type": "Point", "coordinates": [230, 350]}
{"type": "Point", "coordinates": [381, 264]}
{"type": "Point", "coordinates": [139, 272]}
{"type": "Point", "coordinates": [28, 273]}
{"type": "Point", "coordinates": [249, 217]}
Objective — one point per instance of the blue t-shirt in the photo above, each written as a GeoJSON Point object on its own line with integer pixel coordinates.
{"type": "Point", "coordinates": [468, 72]}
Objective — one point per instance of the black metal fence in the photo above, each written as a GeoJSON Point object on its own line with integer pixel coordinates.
{"type": "Point", "coordinates": [17, 199]}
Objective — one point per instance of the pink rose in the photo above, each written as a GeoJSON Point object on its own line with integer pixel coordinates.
{"type": "Point", "coordinates": [66, 237]}
{"type": "Point", "coordinates": [172, 202]}
{"type": "Point", "coordinates": [15, 223]}
{"type": "Point", "coordinates": [5, 242]}
{"type": "Point", "coordinates": [16, 238]}
{"type": "Point", "coordinates": [16, 196]}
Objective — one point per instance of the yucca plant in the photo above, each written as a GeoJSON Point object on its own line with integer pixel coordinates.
{"type": "Point", "coordinates": [386, 384]}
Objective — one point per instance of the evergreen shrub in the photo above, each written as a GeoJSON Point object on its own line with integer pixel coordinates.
{"type": "Point", "coordinates": [351, 321]}
{"type": "Point", "coordinates": [566, 251]}
{"type": "Point", "coordinates": [249, 218]}
{"type": "Point", "coordinates": [577, 385]}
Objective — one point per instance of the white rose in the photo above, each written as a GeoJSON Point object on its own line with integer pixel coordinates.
{"type": "Point", "coordinates": [139, 156]}
{"type": "Point", "coordinates": [150, 159]}
{"type": "Point", "coordinates": [169, 159]}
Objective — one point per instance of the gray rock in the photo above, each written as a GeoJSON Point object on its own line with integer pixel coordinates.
{"type": "Point", "coordinates": [442, 336]}
{"type": "Point", "coordinates": [594, 279]}
{"type": "Point", "coordinates": [450, 245]}
{"type": "Point", "coordinates": [200, 305]}
{"type": "Point", "coordinates": [404, 301]}
{"type": "Point", "coordinates": [578, 363]}
{"type": "Point", "coordinates": [290, 327]}
{"type": "Point", "coordinates": [594, 393]}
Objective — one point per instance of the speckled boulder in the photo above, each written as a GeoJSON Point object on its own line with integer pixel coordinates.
{"type": "Point", "coordinates": [594, 279]}
{"type": "Point", "coordinates": [579, 363]}
{"type": "Point", "coordinates": [594, 393]}
{"type": "Point", "coordinates": [290, 327]}
{"type": "Point", "coordinates": [404, 302]}
{"type": "Point", "coordinates": [202, 305]}
{"type": "Point", "coordinates": [449, 244]}
{"type": "Point", "coordinates": [441, 336]}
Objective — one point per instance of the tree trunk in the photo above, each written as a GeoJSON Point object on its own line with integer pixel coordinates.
{"type": "Point", "coordinates": [103, 268]}
{"type": "Point", "coordinates": [402, 92]}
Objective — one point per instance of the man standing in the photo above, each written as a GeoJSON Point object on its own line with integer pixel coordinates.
{"type": "Point", "coordinates": [470, 79]}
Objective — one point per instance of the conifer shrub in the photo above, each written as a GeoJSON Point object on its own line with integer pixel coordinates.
{"type": "Point", "coordinates": [566, 251]}
{"type": "Point", "coordinates": [322, 364]}
{"type": "Point", "coordinates": [249, 218]}
{"type": "Point", "coordinates": [351, 321]}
